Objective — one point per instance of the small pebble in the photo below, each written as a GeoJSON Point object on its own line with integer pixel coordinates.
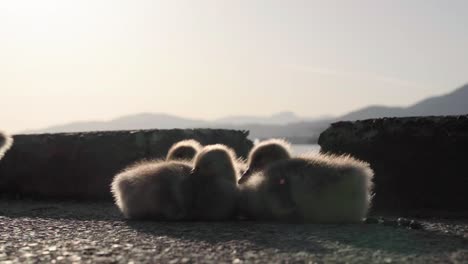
{"type": "Point", "coordinates": [415, 225]}
{"type": "Point", "coordinates": [403, 222]}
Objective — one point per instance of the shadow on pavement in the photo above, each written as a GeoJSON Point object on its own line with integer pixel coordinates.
{"type": "Point", "coordinates": [285, 238]}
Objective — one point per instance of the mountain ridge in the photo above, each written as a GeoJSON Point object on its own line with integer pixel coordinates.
{"type": "Point", "coordinates": [282, 124]}
{"type": "Point", "coordinates": [452, 103]}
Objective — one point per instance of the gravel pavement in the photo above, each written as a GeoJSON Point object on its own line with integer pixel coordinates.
{"type": "Point", "coordinates": [66, 232]}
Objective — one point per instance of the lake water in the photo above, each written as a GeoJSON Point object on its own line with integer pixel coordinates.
{"type": "Point", "coordinates": [300, 148]}
{"type": "Point", "coordinates": [305, 148]}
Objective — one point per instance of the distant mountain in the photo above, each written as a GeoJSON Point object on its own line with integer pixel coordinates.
{"type": "Point", "coordinates": [454, 103]}
{"type": "Point", "coordinates": [283, 124]}
{"type": "Point", "coordinates": [276, 119]}
{"type": "Point", "coordinates": [138, 121]}
{"type": "Point", "coordinates": [259, 126]}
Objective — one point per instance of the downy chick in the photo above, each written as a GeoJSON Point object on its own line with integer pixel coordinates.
{"type": "Point", "coordinates": [265, 153]}
{"type": "Point", "coordinates": [184, 150]}
{"type": "Point", "coordinates": [5, 143]}
{"type": "Point", "coordinates": [214, 181]}
{"type": "Point", "coordinates": [311, 188]}
{"type": "Point", "coordinates": [157, 190]}
{"type": "Point", "coordinates": [320, 188]}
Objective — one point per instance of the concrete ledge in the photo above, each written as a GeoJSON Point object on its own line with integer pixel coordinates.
{"type": "Point", "coordinates": [420, 163]}
{"type": "Point", "coordinates": [81, 165]}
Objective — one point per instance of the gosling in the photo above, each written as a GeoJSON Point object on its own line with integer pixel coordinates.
{"type": "Point", "coordinates": [6, 142]}
{"type": "Point", "coordinates": [265, 153]}
{"type": "Point", "coordinates": [310, 188]}
{"type": "Point", "coordinates": [156, 190]}
{"type": "Point", "coordinates": [214, 181]}
{"type": "Point", "coordinates": [184, 150]}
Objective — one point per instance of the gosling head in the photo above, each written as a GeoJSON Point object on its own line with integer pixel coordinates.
{"type": "Point", "coordinates": [184, 150]}
{"type": "Point", "coordinates": [279, 197]}
{"type": "Point", "coordinates": [216, 161]}
{"type": "Point", "coordinates": [265, 153]}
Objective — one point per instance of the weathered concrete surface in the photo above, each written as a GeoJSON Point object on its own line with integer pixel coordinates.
{"type": "Point", "coordinates": [420, 163]}
{"type": "Point", "coordinates": [82, 165]}
{"type": "Point", "coordinates": [68, 232]}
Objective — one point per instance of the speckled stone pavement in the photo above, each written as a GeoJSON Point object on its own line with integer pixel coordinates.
{"type": "Point", "coordinates": [66, 232]}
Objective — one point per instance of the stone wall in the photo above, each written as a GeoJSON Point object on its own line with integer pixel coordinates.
{"type": "Point", "coordinates": [82, 165]}
{"type": "Point", "coordinates": [420, 163]}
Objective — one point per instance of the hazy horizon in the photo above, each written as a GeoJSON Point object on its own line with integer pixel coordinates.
{"type": "Point", "coordinates": [63, 61]}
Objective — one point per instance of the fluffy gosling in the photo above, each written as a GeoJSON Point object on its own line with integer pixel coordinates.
{"type": "Point", "coordinates": [265, 153]}
{"type": "Point", "coordinates": [310, 188]}
{"type": "Point", "coordinates": [214, 181]}
{"type": "Point", "coordinates": [184, 150]}
{"type": "Point", "coordinates": [6, 142]}
{"type": "Point", "coordinates": [157, 190]}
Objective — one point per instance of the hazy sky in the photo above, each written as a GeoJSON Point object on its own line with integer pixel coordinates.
{"type": "Point", "coordinates": [63, 60]}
